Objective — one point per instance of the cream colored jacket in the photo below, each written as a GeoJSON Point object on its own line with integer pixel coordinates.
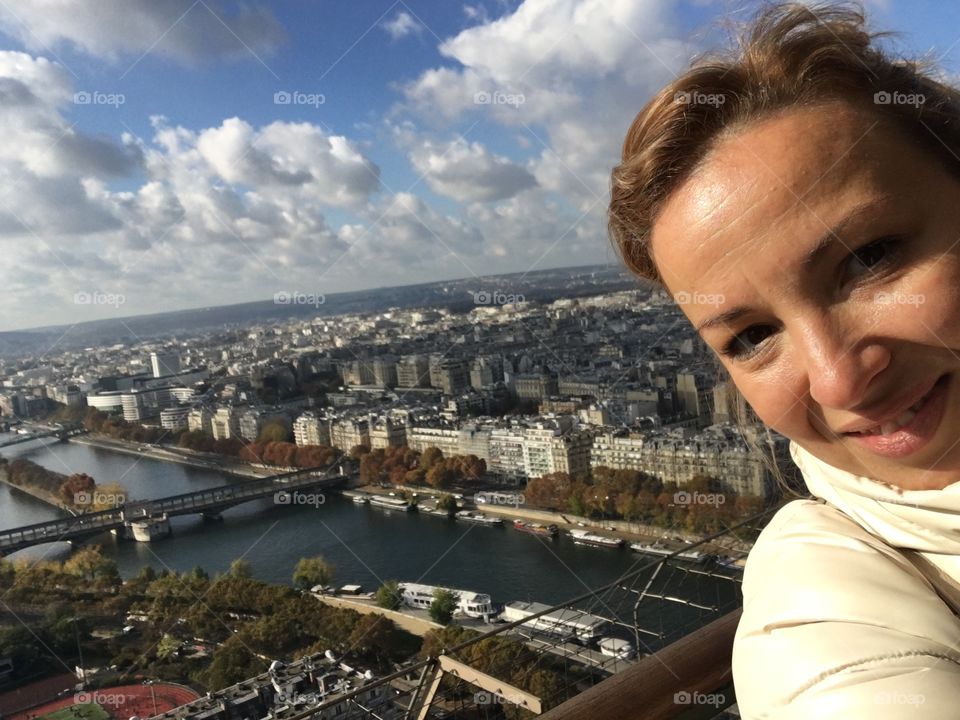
{"type": "Point", "coordinates": [851, 605]}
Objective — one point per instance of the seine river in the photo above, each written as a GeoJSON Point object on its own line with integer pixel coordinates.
{"type": "Point", "coordinates": [366, 545]}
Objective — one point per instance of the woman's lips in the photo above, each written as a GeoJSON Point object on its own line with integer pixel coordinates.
{"type": "Point", "coordinates": [918, 428]}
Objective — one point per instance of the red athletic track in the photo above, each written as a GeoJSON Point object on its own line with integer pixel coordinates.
{"type": "Point", "coordinates": [121, 702]}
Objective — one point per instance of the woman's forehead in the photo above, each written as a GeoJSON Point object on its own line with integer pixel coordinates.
{"type": "Point", "coordinates": [773, 187]}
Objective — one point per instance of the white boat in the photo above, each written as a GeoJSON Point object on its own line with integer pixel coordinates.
{"type": "Point", "coordinates": [566, 623]}
{"type": "Point", "coordinates": [582, 537]}
{"type": "Point", "coordinates": [361, 499]}
{"type": "Point", "coordinates": [479, 518]}
{"type": "Point", "coordinates": [651, 548]}
{"type": "Point", "coordinates": [615, 647]}
{"type": "Point", "coordinates": [694, 556]}
{"type": "Point", "coordinates": [391, 503]}
{"type": "Point", "coordinates": [664, 551]}
{"type": "Point", "coordinates": [469, 603]}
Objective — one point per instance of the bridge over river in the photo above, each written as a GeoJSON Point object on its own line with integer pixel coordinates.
{"type": "Point", "coordinates": [210, 503]}
{"type": "Point", "coordinates": [37, 432]}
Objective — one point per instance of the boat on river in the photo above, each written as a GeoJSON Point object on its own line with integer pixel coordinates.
{"type": "Point", "coordinates": [536, 528]}
{"type": "Point", "coordinates": [478, 518]}
{"type": "Point", "coordinates": [390, 503]}
{"type": "Point", "coordinates": [582, 537]}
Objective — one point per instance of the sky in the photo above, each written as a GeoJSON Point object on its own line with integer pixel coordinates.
{"type": "Point", "coordinates": [187, 153]}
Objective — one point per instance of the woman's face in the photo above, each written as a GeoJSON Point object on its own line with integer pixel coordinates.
{"type": "Point", "coordinates": [818, 253]}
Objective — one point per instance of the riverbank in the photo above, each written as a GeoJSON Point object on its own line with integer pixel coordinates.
{"type": "Point", "coordinates": [205, 461]}
{"type": "Point", "coordinates": [627, 531]}
{"type": "Point", "coordinates": [406, 620]}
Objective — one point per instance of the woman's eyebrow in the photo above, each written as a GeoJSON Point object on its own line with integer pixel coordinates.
{"type": "Point", "coordinates": [811, 258]}
{"type": "Point", "coordinates": [832, 236]}
{"type": "Point", "coordinates": [727, 316]}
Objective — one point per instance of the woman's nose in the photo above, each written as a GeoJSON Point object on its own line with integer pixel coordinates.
{"type": "Point", "coordinates": [841, 364]}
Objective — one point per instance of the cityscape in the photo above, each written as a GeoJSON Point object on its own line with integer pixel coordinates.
{"type": "Point", "coordinates": [596, 419]}
{"type": "Point", "coordinates": [331, 388]}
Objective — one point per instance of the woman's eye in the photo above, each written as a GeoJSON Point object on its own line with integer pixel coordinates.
{"type": "Point", "coordinates": [747, 342]}
{"type": "Point", "coordinates": [871, 257]}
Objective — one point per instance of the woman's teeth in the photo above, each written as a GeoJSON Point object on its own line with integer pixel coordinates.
{"type": "Point", "coordinates": [891, 426]}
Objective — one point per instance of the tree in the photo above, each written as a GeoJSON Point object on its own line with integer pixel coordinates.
{"type": "Point", "coordinates": [147, 574]}
{"type": "Point", "coordinates": [439, 476]}
{"type": "Point", "coordinates": [274, 432]}
{"type": "Point", "coordinates": [198, 573]}
{"type": "Point", "coordinates": [168, 647]}
{"type": "Point", "coordinates": [375, 635]}
{"type": "Point", "coordinates": [357, 450]}
{"type": "Point", "coordinates": [430, 457]}
{"type": "Point", "coordinates": [92, 566]}
{"type": "Point", "coordinates": [239, 568]}
{"type": "Point", "coordinates": [389, 595]}
{"type": "Point", "coordinates": [106, 497]}
{"type": "Point", "coordinates": [443, 606]}
{"type": "Point", "coordinates": [312, 571]}
{"type": "Point", "coordinates": [447, 502]}
{"type": "Point", "coordinates": [78, 490]}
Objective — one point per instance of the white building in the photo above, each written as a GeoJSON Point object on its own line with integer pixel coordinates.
{"type": "Point", "coordinates": [308, 429]}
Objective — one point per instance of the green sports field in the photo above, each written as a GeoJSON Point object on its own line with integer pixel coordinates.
{"type": "Point", "coordinates": [86, 711]}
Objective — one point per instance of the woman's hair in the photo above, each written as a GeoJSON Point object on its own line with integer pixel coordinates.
{"type": "Point", "coordinates": [791, 55]}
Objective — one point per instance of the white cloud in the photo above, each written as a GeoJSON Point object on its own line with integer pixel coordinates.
{"type": "Point", "coordinates": [402, 25]}
{"type": "Point", "coordinates": [582, 68]}
{"type": "Point", "coordinates": [182, 29]}
{"type": "Point", "coordinates": [468, 171]}
{"type": "Point", "coordinates": [235, 209]}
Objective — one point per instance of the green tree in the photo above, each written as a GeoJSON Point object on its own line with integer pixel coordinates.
{"type": "Point", "coordinates": [312, 571]}
{"type": "Point", "coordinates": [168, 647]}
{"type": "Point", "coordinates": [443, 606]}
{"type": "Point", "coordinates": [239, 568]}
{"type": "Point", "coordinates": [274, 432]}
{"type": "Point", "coordinates": [389, 595]}
{"type": "Point", "coordinates": [91, 565]}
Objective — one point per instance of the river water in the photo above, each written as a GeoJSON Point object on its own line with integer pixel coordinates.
{"type": "Point", "coordinates": [366, 545]}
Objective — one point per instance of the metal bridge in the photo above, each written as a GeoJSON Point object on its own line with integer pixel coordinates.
{"type": "Point", "coordinates": [208, 502]}
{"type": "Point", "coordinates": [61, 432]}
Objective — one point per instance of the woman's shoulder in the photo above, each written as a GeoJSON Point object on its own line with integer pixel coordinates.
{"type": "Point", "coordinates": [835, 621]}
